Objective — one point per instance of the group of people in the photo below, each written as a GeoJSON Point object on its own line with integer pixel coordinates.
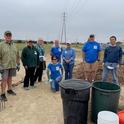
{"type": "Point", "coordinates": [62, 60]}
{"type": "Point", "coordinates": [33, 60]}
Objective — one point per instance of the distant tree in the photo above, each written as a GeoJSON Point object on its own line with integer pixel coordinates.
{"type": "Point", "coordinates": [19, 41]}
{"type": "Point", "coordinates": [51, 42]}
{"type": "Point", "coordinates": [45, 42]}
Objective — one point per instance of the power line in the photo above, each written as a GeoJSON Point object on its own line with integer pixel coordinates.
{"type": "Point", "coordinates": [63, 31]}
{"type": "Point", "coordinates": [79, 6]}
{"type": "Point", "coordinates": [74, 5]}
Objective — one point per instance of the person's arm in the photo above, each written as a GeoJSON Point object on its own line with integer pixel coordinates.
{"type": "Point", "coordinates": [105, 55]}
{"type": "Point", "coordinates": [63, 55]}
{"type": "Point", "coordinates": [120, 55]}
{"type": "Point", "coordinates": [1, 67]}
{"type": "Point", "coordinates": [38, 60]}
{"type": "Point", "coordinates": [18, 61]}
{"type": "Point", "coordinates": [18, 57]}
{"type": "Point", "coordinates": [73, 55]}
{"type": "Point", "coordinates": [62, 70]}
{"type": "Point", "coordinates": [48, 73]}
{"type": "Point", "coordinates": [23, 57]}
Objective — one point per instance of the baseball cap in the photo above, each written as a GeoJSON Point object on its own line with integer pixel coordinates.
{"type": "Point", "coordinates": [29, 41]}
{"type": "Point", "coordinates": [68, 42]}
{"type": "Point", "coordinates": [92, 35]}
{"type": "Point", "coordinates": [7, 32]}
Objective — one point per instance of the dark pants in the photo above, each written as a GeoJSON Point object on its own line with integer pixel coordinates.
{"type": "Point", "coordinates": [68, 70]}
{"type": "Point", "coordinates": [39, 72]}
{"type": "Point", "coordinates": [29, 76]}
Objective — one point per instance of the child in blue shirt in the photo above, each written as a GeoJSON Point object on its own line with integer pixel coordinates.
{"type": "Point", "coordinates": [54, 73]}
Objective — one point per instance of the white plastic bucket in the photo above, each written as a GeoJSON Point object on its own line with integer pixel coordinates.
{"type": "Point", "coordinates": [107, 117]}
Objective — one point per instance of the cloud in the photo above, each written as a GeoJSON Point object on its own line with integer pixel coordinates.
{"type": "Point", "coordinates": [32, 19]}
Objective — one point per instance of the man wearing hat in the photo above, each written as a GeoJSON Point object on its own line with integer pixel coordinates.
{"type": "Point", "coordinates": [30, 60]}
{"type": "Point", "coordinates": [91, 56]}
{"type": "Point", "coordinates": [68, 56]}
{"type": "Point", "coordinates": [9, 59]}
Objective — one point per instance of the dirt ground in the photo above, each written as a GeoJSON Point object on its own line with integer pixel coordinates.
{"type": "Point", "coordinates": [36, 106]}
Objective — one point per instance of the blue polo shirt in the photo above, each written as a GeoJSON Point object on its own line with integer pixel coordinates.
{"type": "Point", "coordinates": [55, 70]}
{"type": "Point", "coordinates": [91, 50]}
{"type": "Point", "coordinates": [56, 51]}
{"type": "Point", "coordinates": [68, 54]}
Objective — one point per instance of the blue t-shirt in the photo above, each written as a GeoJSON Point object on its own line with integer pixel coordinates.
{"type": "Point", "coordinates": [91, 50]}
{"type": "Point", "coordinates": [55, 70]}
{"type": "Point", "coordinates": [56, 51]}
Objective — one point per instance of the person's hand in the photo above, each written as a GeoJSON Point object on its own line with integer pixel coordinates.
{"type": "Point", "coordinates": [103, 64]}
{"type": "Point", "coordinates": [26, 67]}
{"type": "Point", "coordinates": [18, 67]}
{"type": "Point", "coordinates": [67, 61]}
{"type": "Point", "coordinates": [82, 61]}
{"type": "Point", "coordinates": [118, 66]}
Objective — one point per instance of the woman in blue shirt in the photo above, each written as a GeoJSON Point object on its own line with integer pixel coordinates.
{"type": "Point", "coordinates": [54, 73]}
{"type": "Point", "coordinates": [68, 56]}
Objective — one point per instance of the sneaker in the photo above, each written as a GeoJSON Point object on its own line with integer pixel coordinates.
{"type": "Point", "coordinates": [11, 92]}
{"type": "Point", "coordinates": [26, 88]}
{"type": "Point", "coordinates": [3, 97]}
{"type": "Point", "coordinates": [32, 87]}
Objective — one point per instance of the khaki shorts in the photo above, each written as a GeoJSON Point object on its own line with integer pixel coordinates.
{"type": "Point", "coordinates": [8, 73]}
{"type": "Point", "coordinates": [88, 67]}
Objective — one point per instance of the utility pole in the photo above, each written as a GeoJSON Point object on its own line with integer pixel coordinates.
{"type": "Point", "coordinates": [63, 32]}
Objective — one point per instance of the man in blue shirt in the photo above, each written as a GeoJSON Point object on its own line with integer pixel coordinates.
{"type": "Point", "coordinates": [68, 56]}
{"type": "Point", "coordinates": [56, 51]}
{"type": "Point", "coordinates": [91, 56]}
{"type": "Point", "coordinates": [112, 59]}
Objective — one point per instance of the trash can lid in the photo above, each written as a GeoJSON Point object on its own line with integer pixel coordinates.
{"type": "Point", "coordinates": [75, 84]}
{"type": "Point", "coordinates": [106, 86]}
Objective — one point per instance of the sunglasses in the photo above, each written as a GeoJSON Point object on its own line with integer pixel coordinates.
{"type": "Point", "coordinates": [8, 35]}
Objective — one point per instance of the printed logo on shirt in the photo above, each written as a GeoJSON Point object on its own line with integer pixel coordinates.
{"type": "Point", "coordinates": [57, 68]}
{"type": "Point", "coordinates": [35, 52]}
{"type": "Point", "coordinates": [95, 47]}
{"type": "Point", "coordinates": [59, 49]}
{"type": "Point", "coordinates": [65, 52]}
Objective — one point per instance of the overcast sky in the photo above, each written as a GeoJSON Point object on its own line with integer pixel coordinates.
{"type": "Point", "coordinates": [30, 19]}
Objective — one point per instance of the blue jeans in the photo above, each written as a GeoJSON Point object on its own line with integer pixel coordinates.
{"type": "Point", "coordinates": [55, 84]}
{"type": "Point", "coordinates": [68, 70]}
{"type": "Point", "coordinates": [114, 74]}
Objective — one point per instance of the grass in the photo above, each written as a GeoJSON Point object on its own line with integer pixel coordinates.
{"type": "Point", "coordinates": [47, 47]}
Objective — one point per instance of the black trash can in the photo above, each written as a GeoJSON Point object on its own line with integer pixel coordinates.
{"type": "Point", "coordinates": [75, 96]}
{"type": "Point", "coordinates": [105, 97]}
